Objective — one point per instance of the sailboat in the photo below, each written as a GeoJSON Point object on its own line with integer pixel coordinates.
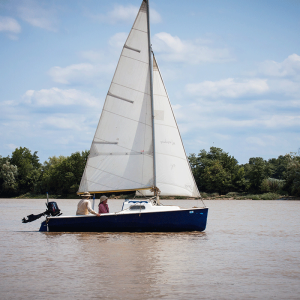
{"type": "Point", "coordinates": [137, 147]}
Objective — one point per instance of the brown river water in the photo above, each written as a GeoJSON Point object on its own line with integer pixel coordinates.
{"type": "Point", "coordinates": [249, 250]}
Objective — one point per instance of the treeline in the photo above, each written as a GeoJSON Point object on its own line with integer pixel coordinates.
{"type": "Point", "coordinates": [214, 171]}
{"type": "Point", "coordinates": [217, 171]}
{"type": "Point", "coordinates": [23, 173]}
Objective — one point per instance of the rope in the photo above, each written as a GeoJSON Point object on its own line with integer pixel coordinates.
{"type": "Point", "coordinates": [202, 201]}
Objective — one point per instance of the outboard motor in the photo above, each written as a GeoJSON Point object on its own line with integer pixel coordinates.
{"type": "Point", "coordinates": [52, 210]}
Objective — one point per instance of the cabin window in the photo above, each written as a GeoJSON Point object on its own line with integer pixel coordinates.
{"type": "Point", "coordinates": [137, 207]}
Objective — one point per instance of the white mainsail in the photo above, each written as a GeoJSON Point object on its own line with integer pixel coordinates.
{"type": "Point", "coordinates": [173, 172]}
{"type": "Point", "coordinates": [121, 155]}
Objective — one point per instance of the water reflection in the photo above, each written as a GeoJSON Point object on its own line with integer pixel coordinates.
{"type": "Point", "coordinates": [127, 259]}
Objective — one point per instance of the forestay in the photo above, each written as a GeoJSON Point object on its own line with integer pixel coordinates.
{"type": "Point", "coordinates": [121, 155]}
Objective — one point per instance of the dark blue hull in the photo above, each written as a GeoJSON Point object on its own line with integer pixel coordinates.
{"type": "Point", "coordinates": [170, 221]}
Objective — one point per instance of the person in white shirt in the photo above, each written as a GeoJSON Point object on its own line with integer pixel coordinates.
{"type": "Point", "coordinates": [84, 206]}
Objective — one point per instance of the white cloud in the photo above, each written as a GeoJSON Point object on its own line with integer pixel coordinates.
{"type": "Point", "coordinates": [99, 65]}
{"type": "Point", "coordinates": [65, 121]}
{"type": "Point", "coordinates": [172, 48]}
{"type": "Point", "coordinates": [125, 14]}
{"type": "Point", "coordinates": [155, 17]}
{"type": "Point", "coordinates": [118, 40]}
{"type": "Point", "coordinates": [121, 13]}
{"type": "Point", "coordinates": [71, 73]}
{"type": "Point", "coordinates": [286, 87]}
{"type": "Point", "coordinates": [236, 118]}
{"type": "Point", "coordinates": [11, 146]}
{"type": "Point", "coordinates": [57, 97]}
{"type": "Point", "coordinates": [283, 79]}
{"type": "Point", "coordinates": [65, 140]}
{"type": "Point", "coordinates": [290, 67]}
{"type": "Point", "coordinates": [228, 88]}
{"type": "Point", "coordinates": [93, 56]}
{"type": "Point", "coordinates": [10, 25]}
{"type": "Point", "coordinates": [38, 16]}
{"type": "Point", "coordinates": [263, 141]}
{"type": "Point", "coordinates": [84, 73]}
{"type": "Point", "coordinates": [44, 118]}
{"type": "Point", "coordinates": [256, 114]}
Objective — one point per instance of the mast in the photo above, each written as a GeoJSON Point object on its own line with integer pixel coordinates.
{"type": "Point", "coordinates": [152, 101]}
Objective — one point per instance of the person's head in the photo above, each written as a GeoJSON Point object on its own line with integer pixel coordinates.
{"type": "Point", "coordinates": [86, 195]}
{"type": "Point", "coordinates": [103, 199]}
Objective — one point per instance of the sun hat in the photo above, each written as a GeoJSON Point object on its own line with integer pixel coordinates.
{"type": "Point", "coordinates": [86, 194]}
{"type": "Point", "coordinates": [103, 198]}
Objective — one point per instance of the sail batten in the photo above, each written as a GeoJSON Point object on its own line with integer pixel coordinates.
{"type": "Point", "coordinates": [118, 97]}
{"type": "Point", "coordinates": [124, 148]}
{"type": "Point", "coordinates": [133, 49]}
{"type": "Point", "coordinates": [106, 143]}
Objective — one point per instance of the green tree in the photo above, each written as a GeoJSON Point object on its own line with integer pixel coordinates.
{"type": "Point", "coordinates": [215, 178]}
{"type": "Point", "coordinates": [28, 168]}
{"type": "Point", "coordinates": [279, 166]}
{"type": "Point", "coordinates": [217, 171]}
{"type": "Point", "coordinates": [239, 183]}
{"type": "Point", "coordinates": [62, 175]}
{"type": "Point", "coordinates": [292, 175]}
{"type": "Point", "coordinates": [8, 174]}
{"type": "Point", "coordinates": [256, 171]}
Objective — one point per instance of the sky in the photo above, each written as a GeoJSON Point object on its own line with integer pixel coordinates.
{"type": "Point", "coordinates": [231, 69]}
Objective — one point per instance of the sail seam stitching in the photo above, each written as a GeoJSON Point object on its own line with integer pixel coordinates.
{"type": "Point", "coordinates": [171, 155]}
{"type": "Point", "coordinates": [126, 117]}
{"type": "Point", "coordinates": [122, 153]}
{"type": "Point", "coordinates": [166, 125]}
{"type": "Point", "coordinates": [135, 59]}
{"type": "Point", "coordinates": [139, 30]}
{"type": "Point", "coordinates": [160, 95]}
{"type": "Point", "coordinates": [130, 88]}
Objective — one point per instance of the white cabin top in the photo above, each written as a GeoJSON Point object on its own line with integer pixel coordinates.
{"type": "Point", "coordinates": [143, 206]}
